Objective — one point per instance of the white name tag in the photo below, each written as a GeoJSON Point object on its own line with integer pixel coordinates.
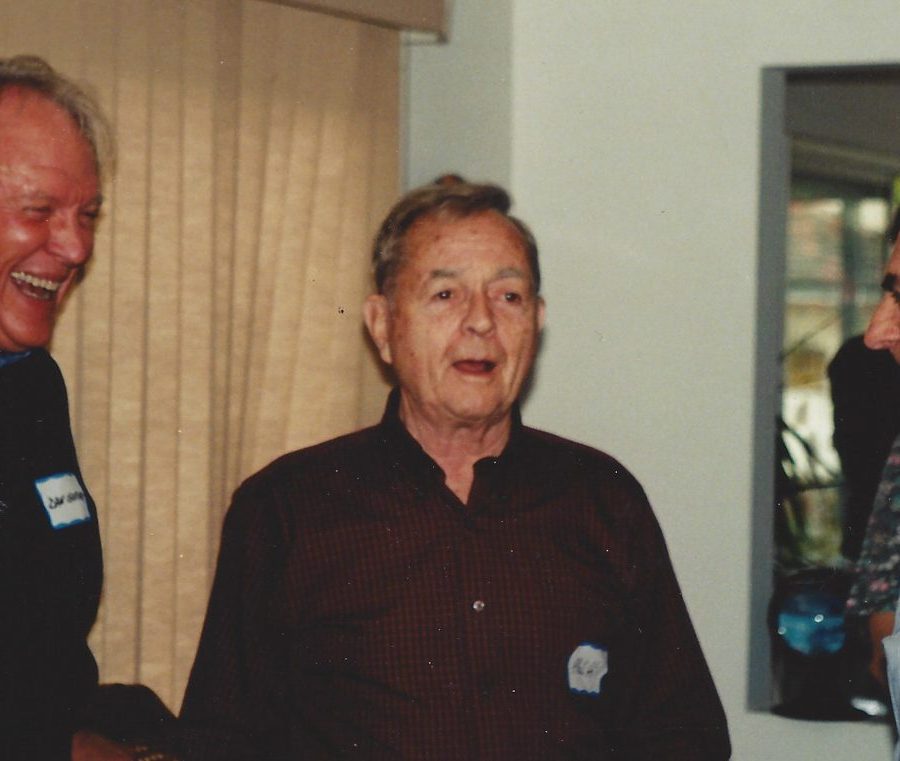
{"type": "Point", "coordinates": [64, 499]}
{"type": "Point", "coordinates": [588, 665]}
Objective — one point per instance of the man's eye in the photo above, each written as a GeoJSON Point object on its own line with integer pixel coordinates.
{"type": "Point", "coordinates": [512, 297]}
{"type": "Point", "coordinates": [39, 212]}
{"type": "Point", "coordinates": [443, 295]}
{"type": "Point", "coordinates": [89, 217]}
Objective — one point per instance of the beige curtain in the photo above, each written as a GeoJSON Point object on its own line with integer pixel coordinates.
{"type": "Point", "coordinates": [219, 324]}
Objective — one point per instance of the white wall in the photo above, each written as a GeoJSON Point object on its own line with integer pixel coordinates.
{"type": "Point", "coordinates": [460, 97]}
{"type": "Point", "coordinates": [629, 136]}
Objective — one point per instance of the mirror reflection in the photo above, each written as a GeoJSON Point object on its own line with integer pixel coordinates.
{"type": "Point", "coordinates": [834, 430]}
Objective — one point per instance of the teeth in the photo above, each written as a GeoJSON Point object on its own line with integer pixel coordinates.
{"type": "Point", "coordinates": [38, 282]}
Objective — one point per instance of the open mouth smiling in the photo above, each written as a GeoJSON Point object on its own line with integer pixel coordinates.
{"type": "Point", "coordinates": [37, 287]}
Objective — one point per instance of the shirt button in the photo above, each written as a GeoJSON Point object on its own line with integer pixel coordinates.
{"type": "Point", "coordinates": [478, 606]}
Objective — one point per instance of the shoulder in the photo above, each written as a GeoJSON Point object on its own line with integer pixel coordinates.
{"type": "Point", "coordinates": [313, 473]}
{"type": "Point", "coordinates": [43, 359]}
{"type": "Point", "coordinates": [602, 509]}
{"type": "Point", "coordinates": [573, 460]}
{"type": "Point", "coordinates": [334, 455]}
{"type": "Point", "coordinates": [37, 368]}
{"type": "Point", "coordinates": [597, 488]}
{"type": "Point", "coordinates": [855, 363]}
{"type": "Point", "coordinates": [34, 383]}
{"type": "Point", "coordinates": [850, 353]}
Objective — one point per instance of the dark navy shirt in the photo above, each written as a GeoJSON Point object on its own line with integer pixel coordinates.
{"type": "Point", "coordinates": [50, 566]}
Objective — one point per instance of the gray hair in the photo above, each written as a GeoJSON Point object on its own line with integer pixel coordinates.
{"type": "Point", "coordinates": [33, 73]}
{"type": "Point", "coordinates": [452, 197]}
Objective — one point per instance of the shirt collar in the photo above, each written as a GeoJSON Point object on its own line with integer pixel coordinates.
{"type": "Point", "coordinates": [403, 450]}
{"type": "Point", "coordinates": [10, 357]}
{"type": "Point", "coordinates": [395, 429]}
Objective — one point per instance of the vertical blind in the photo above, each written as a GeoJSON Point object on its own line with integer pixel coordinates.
{"type": "Point", "coordinates": [220, 321]}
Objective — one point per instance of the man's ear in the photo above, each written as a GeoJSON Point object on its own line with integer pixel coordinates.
{"type": "Point", "coordinates": [376, 314]}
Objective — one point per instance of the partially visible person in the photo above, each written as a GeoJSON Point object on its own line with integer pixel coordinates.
{"type": "Point", "coordinates": [865, 389]}
{"type": "Point", "coordinates": [877, 583]}
{"type": "Point", "coordinates": [449, 584]}
{"type": "Point", "coordinates": [52, 143]}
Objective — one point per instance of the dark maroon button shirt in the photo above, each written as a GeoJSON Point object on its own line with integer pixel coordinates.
{"type": "Point", "coordinates": [360, 610]}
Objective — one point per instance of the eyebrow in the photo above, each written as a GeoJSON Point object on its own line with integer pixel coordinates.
{"type": "Point", "coordinates": [439, 273]}
{"type": "Point", "coordinates": [40, 195]}
{"type": "Point", "coordinates": [511, 272]}
{"type": "Point", "coordinates": [500, 275]}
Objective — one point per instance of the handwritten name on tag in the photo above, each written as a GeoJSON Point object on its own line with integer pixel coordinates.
{"type": "Point", "coordinates": [588, 664]}
{"type": "Point", "coordinates": [64, 499]}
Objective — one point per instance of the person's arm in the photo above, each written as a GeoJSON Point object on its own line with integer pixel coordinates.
{"type": "Point", "coordinates": [881, 625]}
{"type": "Point", "coordinates": [672, 710]}
{"type": "Point", "coordinates": [234, 703]}
{"type": "Point", "coordinates": [88, 746]}
{"type": "Point", "coordinates": [877, 575]}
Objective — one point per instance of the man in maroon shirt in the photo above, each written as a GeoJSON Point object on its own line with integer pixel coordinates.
{"type": "Point", "coordinates": [449, 584]}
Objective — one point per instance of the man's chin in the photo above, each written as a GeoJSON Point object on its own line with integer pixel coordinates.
{"type": "Point", "coordinates": [479, 411]}
{"type": "Point", "coordinates": [24, 340]}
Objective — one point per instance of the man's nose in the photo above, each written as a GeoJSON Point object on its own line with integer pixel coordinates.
{"type": "Point", "coordinates": [884, 327]}
{"type": "Point", "coordinates": [70, 240]}
{"type": "Point", "coordinates": [479, 316]}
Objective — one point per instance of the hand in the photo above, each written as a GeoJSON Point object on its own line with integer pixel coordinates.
{"type": "Point", "coordinates": [881, 625]}
{"type": "Point", "coordinates": [87, 746]}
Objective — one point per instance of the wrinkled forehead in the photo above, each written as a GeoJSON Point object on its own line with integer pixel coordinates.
{"type": "Point", "coordinates": [37, 132]}
{"type": "Point", "coordinates": [446, 229]}
{"type": "Point", "coordinates": [20, 104]}
{"type": "Point", "coordinates": [449, 217]}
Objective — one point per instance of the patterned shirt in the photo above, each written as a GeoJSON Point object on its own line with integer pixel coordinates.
{"type": "Point", "coordinates": [360, 610]}
{"type": "Point", "coordinates": [877, 583]}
